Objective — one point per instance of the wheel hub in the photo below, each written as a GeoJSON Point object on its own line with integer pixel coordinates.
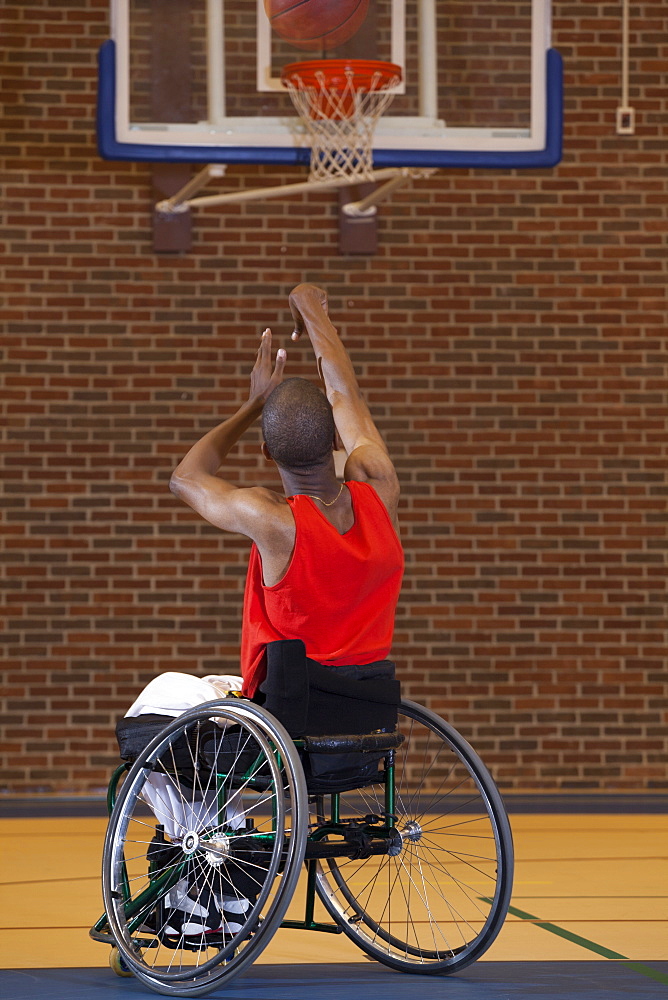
{"type": "Point", "coordinates": [412, 831]}
{"type": "Point", "coordinates": [190, 842]}
{"type": "Point", "coordinates": [216, 850]}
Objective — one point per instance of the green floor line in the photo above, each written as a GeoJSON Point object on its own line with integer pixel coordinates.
{"type": "Point", "coordinates": [644, 970]}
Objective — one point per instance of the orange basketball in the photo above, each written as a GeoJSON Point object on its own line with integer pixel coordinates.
{"type": "Point", "coordinates": [316, 24]}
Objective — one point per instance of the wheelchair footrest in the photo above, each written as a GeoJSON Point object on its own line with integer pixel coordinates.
{"type": "Point", "coordinates": [366, 743]}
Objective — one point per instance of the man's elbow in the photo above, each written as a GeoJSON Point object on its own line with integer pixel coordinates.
{"type": "Point", "coordinates": [178, 485]}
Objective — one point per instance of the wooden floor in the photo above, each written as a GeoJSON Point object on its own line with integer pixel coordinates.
{"type": "Point", "coordinates": [587, 888]}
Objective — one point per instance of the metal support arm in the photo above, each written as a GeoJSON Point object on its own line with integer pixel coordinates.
{"type": "Point", "coordinates": [182, 200]}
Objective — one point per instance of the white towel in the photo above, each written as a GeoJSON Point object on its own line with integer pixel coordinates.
{"type": "Point", "coordinates": [173, 693]}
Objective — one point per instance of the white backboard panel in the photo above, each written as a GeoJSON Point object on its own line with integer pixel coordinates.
{"type": "Point", "coordinates": [481, 86]}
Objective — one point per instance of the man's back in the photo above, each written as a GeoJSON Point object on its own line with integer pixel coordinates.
{"type": "Point", "coordinates": [338, 594]}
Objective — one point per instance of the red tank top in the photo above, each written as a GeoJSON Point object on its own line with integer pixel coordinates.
{"type": "Point", "coordinates": [338, 594]}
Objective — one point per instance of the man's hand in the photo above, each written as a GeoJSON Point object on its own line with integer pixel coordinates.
{"type": "Point", "coordinates": [263, 379]}
{"type": "Point", "coordinates": [309, 295]}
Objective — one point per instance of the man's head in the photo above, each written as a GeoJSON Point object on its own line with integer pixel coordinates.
{"type": "Point", "coordinates": [298, 424]}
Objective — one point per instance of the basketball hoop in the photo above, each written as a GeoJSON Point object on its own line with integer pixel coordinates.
{"type": "Point", "coordinates": [340, 102]}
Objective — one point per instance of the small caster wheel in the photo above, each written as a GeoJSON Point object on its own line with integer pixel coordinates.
{"type": "Point", "coordinates": [117, 964]}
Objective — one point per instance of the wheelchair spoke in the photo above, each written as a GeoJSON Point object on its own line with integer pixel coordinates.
{"type": "Point", "coordinates": [423, 894]}
{"type": "Point", "coordinates": [440, 893]}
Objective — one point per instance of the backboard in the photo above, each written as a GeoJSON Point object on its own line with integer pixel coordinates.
{"type": "Point", "coordinates": [198, 81]}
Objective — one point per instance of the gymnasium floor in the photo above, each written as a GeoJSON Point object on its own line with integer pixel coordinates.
{"type": "Point", "coordinates": [589, 915]}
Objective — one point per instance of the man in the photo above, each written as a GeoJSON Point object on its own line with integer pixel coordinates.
{"type": "Point", "coordinates": [326, 565]}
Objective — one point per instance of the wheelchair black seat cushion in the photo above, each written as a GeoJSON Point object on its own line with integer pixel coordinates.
{"type": "Point", "coordinates": [227, 750]}
{"type": "Point", "coordinates": [135, 733]}
{"type": "Point", "coordinates": [309, 698]}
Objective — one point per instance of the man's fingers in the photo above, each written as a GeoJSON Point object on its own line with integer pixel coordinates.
{"type": "Point", "coordinates": [264, 350]}
{"type": "Point", "coordinates": [281, 358]}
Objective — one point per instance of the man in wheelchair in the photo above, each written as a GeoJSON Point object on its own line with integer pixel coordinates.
{"type": "Point", "coordinates": [318, 765]}
{"type": "Point", "coordinates": [323, 582]}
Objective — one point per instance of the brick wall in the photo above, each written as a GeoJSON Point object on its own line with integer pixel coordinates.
{"type": "Point", "coordinates": [510, 335]}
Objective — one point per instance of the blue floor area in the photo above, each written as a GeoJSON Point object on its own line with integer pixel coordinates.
{"type": "Point", "coordinates": [482, 981]}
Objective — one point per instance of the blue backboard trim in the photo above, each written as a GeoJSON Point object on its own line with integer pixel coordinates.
{"type": "Point", "coordinates": [110, 149]}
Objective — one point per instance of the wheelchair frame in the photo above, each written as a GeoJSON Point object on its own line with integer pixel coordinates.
{"type": "Point", "coordinates": [245, 811]}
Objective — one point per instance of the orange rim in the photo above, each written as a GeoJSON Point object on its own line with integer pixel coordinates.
{"type": "Point", "coordinates": [335, 74]}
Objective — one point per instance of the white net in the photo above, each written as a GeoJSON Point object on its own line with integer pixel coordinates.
{"type": "Point", "coordinates": [340, 116]}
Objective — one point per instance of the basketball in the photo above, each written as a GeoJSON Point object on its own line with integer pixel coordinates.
{"type": "Point", "coordinates": [316, 24]}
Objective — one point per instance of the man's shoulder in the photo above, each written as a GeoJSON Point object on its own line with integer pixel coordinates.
{"type": "Point", "coordinates": [264, 494]}
{"type": "Point", "coordinates": [263, 499]}
{"type": "Point", "coordinates": [366, 492]}
{"type": "Point", "coordinates": [375, 494]}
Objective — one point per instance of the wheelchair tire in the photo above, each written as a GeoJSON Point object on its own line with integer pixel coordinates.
{"type": "Point", "coordinates": [193, 899]}
{"type": "Point", "coordinates": [437, 901]}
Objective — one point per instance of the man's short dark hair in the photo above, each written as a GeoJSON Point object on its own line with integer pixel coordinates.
{"type": "Point", "coordinates": [298, 424]}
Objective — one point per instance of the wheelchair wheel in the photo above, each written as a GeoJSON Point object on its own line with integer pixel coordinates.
{"type": "Point", "coordinates": [437, 900]}
{"type": "Point", "coordinates": [204, 847]}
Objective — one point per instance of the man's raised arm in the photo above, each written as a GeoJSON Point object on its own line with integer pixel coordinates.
{"type": "Point", "coordinates": [195, 479]}
{"type": "Point", "coordinates": [368, 458]}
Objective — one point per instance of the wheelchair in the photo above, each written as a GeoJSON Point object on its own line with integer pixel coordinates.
{"type": "Point", "coordinates": [405, 843]}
